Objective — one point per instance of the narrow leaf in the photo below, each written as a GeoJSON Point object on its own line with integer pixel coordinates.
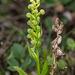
{"type": "Point", "coordinates": [45, 68]}
{"type": "Point", "coordinates": [20, 71]}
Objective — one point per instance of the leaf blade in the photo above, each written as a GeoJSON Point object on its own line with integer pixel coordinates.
{"type": "Point", "coordinates": [45, 68]}
{"type": "Point", "coordinates": [20, 71]}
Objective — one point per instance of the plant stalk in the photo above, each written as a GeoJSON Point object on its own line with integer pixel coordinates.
{"type": "Point", "coordinates": [38, 64]}
{"type": "Point", "coordinates": [54, 57]}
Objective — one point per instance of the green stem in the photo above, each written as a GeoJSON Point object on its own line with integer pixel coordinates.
{"type": "Point", "coordinates": [38, 65]}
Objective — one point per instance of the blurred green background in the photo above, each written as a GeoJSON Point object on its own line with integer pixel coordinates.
{"type": "Point", "coordinates": [13, 32]}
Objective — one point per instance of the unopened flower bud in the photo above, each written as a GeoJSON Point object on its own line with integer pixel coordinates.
{"type": "Point", "coordinates": [33, 42]}
{"type": "Point", "coordinates": [42, 12]}
{"type": "Point", "coordinates": [38, 28]}
{"type": "Point", "coordinates": [31, 0]}
{"type": "Point", "coordinates": [34, 22]}
{"type": "Point", "coordinates": [35, 11]}
{"type": "Point", "coordinates": [30, 30]}
{"type": "Point", "coordinates": [32, 49]}
{"type": "Point", "coordinates": [28, 15]}
{"type": "Point", "coordinates": [29, 36]}
{"type": "Point", "coordinates": [38, 1]}
{"type": "Point", "coordinates": [30, 6]}
{"type": "Point", "coordinates": [34, 34]}
{"type": "Point", "coordinates": [29, 22]}
{"type": "Point", "coordinates": [38, 19]}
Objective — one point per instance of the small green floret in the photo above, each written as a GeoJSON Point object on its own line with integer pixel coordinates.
{"type": "Point", "coordinates": [34, 22]}
{"type": "Point", "coordinates": [38, 28]}
{"type": "Point", "coordinates": [28, 15]}
{"type": "Point", "coordinates": [42, 12]}
{"type": "Point", "coordinates": [38, 18]}
{"type": "Point", "coordinates": [31, 0]}
{"type": "Point", "coordinates": [29, 22]}
{"type": "Point", "coordinates": [30, 30]}
{"type": "Point", "coordinates": [29, 36]}
{"type": "Point", "coordinates": [35, 11]}
{"type": "Point", "coordinates": [30, 6]}
{"type": "Point", "coordinates": [33, 42]}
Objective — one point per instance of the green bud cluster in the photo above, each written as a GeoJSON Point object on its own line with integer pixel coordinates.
{"type": "Point", "coordinates": [35, 32]}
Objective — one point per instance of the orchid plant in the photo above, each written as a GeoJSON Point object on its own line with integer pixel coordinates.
{"type": "Point", "coordinates": [35, 33]}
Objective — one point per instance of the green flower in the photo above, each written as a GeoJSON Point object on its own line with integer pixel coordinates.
{"type": "Point", "coordinates": [42, 12]}
{"type": "Point", "coordinates": [28, 15]}
{"type": "Point", "coordinates": [35, 11]}
{"type": "Point", "coordinates": [34, 22]}
{"type": "Point", "coordinates": [30, 6]}
{"type": "Point", "coordinates": [33, 42]}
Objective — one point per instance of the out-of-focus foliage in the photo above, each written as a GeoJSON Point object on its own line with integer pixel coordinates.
{"type": "Point", "coordinates": [71, 44]}
{"type": "Point", "coordinates": [48, 23]}
{"type": "Point", "coordinates": [16, 57]}
{"type": "Point", "coordinates": [72, 5]}
{"type": "Point", "coordinates": [65, 2]}
{"type": "Point", "coordinates": [62, 64]}
{"type": "Point", "coordinates": [50, 3]}
{"type": "Point", "coordinates": [45, 68]}
{"type": "Point", "coordinates": [21, 72]}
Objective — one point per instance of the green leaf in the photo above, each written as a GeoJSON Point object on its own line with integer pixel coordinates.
{"type": "Point", "coordinates": [6, 1]}
{"type": "Point", "coordinates": [4, 9]}
{"type": "Point", "coordinates": [26, 63]}
{"type": "Point", "coordinates": [71, 44]}
{"type": "Point", "coordinates": [0, 73]}
{"type": "Point", "coordinates": [50, 60]}
{"type": "Point", "coordinates": [25, 10]}
{"type": "Point", "coordinates": [10, 55]}
{"type": "Point", "coordinates": [62, 64]}
{"type": "Point", "coordinates": [11, 68]}
{"type": "Point", "coordinates": [64, 40]}
{"type": "Point", "coordinates": [41, 1]}
{"type": "Point", "coordinates": [72, 5]}
{"type": "Point", "coordinates": [48, 23]}
{"type": "Point", "coordinates": [20, 71]}
{"type": "Point", "coordinates": [50, 3]}
{"type": "Point", "coordinates": [65, 1]}
{"type": "Point", "coordinates": [45, 68]}
{"type": "Point", "coordinates": [64, 20]}
{"type": "Point", "coordinates": [45, 53]}
{"type": "Point", "coordinates": [18, 51]}
{"type": "Point", "coordinates": [13, 62]}
{"type": "Point", "coordinates": [31, 52]}
{"type": "Point", "coordinates": [32, 64]}
{"type": "Point", "coordinates": [67, 56]}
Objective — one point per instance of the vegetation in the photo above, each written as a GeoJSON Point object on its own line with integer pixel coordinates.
{"type": "Point", "coordinates": [35, 55]}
